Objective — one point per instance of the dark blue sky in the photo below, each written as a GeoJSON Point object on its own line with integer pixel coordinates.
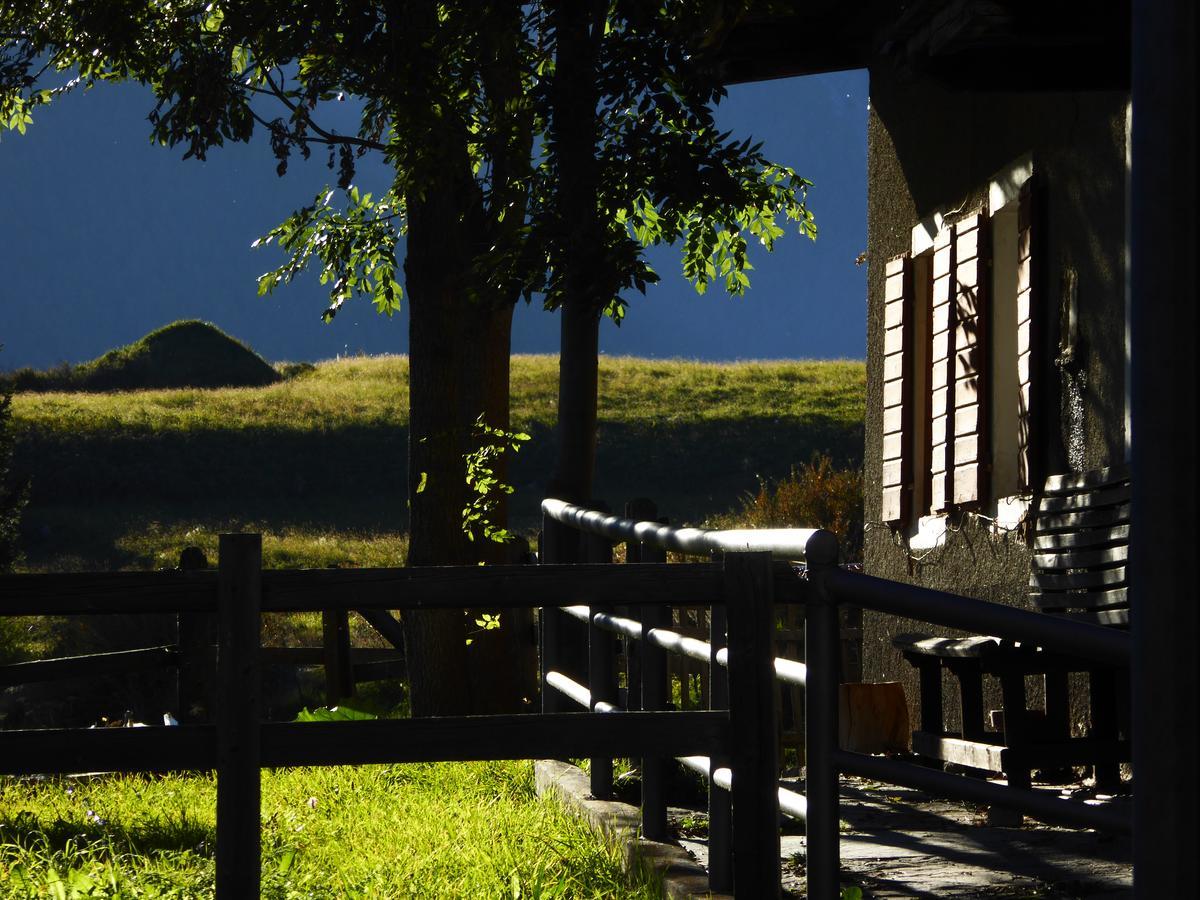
{"type": "Point", "coordinates": [105, 237]}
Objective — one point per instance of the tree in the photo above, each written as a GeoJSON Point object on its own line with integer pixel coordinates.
{"type": "Point", "coordinates": [443, 91]}
{"type": "Point", "coordinates": [636, 159]}
{"type": "Point", "coordinates": [495, 205]}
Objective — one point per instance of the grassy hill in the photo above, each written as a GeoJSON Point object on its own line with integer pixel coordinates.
{"type": "Point", "coordinates": [322, 453]}
{"type": "Point", "coordinates": [183, 354]}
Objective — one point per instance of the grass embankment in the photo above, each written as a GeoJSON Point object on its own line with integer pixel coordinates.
{"type": "Point", "coordinates": [318, 461]}
{"type": "Point", "coordinates": [468, 830]}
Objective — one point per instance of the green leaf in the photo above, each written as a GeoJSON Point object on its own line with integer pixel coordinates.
{"type": "Point", "coordinates": [421, 482]}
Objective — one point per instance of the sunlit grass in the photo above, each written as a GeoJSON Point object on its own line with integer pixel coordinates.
{"type": "Point", "coordinates": [442, 830]}
{"type": "Point", "coordinates": [369, 391]}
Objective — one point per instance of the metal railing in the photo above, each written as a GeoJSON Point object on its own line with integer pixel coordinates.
{"type": "Point", "coordinates": [825, 587]}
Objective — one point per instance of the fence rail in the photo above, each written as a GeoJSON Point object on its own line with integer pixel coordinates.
{"type": "Point", "coordinates": [239, 744]}
{"type": "Point", "coordinates": [826, 587]}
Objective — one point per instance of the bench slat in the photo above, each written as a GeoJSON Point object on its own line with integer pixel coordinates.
{"type": "Point", "coordinates": [1092, 518]}
{"type": "Point", "coordinates": [1082, 481]}
{"type": "Point", "coordinates": [1095, 537]}
{"type": "Point", "coordinates": [1086, 559]}
{"type": "Point", "coordinates": [1095, 499]}
{"type": "Point", "coordinates": [1099, 578]}
{"type": "Point", "coordinates": [1090, 600]}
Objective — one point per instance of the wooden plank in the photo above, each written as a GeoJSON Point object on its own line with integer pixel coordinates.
{"type": "Point", "coordinates": [89, 593]}
{"type": "Point", "coordinates": [1075, 481]}
{"type": "Point", "coordinates": [454, 738]}
{"type": "Point", "coordinates": [1116, 618]}
{"type": "Point", "coordinates": [893, 340]}
{"type": "Point", "coordinates": [1094, 518]}
{"type": "Point", "coordinates": [895, 266]}
{"type": "Point", "coordinates": [197, 635]}
{"type": "Point", "coordinates": [893, 314]}
{"type": "Point", "coordinates": [940, 346]}
{"type": "Point", "coordinates": [751, 623]}
{"type": "Point", "coordinates": [1101, 578]}
{"type": "Point", "coordinates": [339, 676]}
{"type": "Point", "coordinates": [893, 446]}
{"type": "Point", "coordinates": [941, 262]}
{"type": "Point", "coordinates": [966, 449]}
{"type": "Point", "coordinates": [239, 761]}
{"type": "Point", "coordinates": [1090, 499]}
{"type": "Point", "coordinates": [1078, 540]}
{"type": "Point", "coordinates": [939, 319]}
{"type": "Point", "coordinates": [893, 392]}
{"type": "Point", "coordinates": [445, 587]}
{"type": "Point", "coordinates": [93, 665]}
{"type": "Point", "coordinates": [1086, 559]}
{"type": "Point", "coordinates": [465, 738]}
{"type": "Point", "coordinates": [380, 670]}
{"type": "Point", "coordinates": [953, 749]}
{"type": "Point", "coordinates": [63, 751]}
{"type": "Point", "coordinates": [386, 624]}
{"type": "Point", "coordinates": [966, 419]}
{"type": "Point", "coordinates": [893, 419]}
{"type": "Point", "coordinates": [315, 656]}
{"type": "Point", "coordinates": [893, 366]}
{"type": "Point", "coordinates": [967, 484]}
{"type": "Point", "coordinates": [892, 474]}
{"type": "Point", "coordinates": [892, 507]}
{"type": "Point", "coordinates": [939, 401]}
{"type": "Point", "coordinates": [967, 274]}
{"type": "Point", "coordinates": [1116, 597]}
{"type": "Point", "coordinates": [938, 492]}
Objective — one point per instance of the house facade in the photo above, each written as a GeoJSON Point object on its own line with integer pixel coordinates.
{"type": "Point", "coordinates": [997, 327]}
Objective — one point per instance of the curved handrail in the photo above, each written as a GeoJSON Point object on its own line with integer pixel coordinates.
{"type": "Point", "coordinates": [810, 545]}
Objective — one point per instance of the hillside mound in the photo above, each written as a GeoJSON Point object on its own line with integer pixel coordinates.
{"type": "Point", "coordinates": [184, 354]}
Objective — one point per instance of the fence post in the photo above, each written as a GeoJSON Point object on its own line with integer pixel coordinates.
{"type": "Point", "coordinates": [720, 845]}
{"type": "Point", "coordinates": [238, 734]}
{"type": "Point", "coordinates": [197, 633]}
{"type": "Point", "coordinates": [602, 675]}
{"type": "Point", "coordinates": [564, 640]}
{"type": "Point", "coordinates": [749, 589]}
{"type": "Point", "coordinates": [654, 697]}
{"type": "Point", "coordinates": [639, 509]}
{"type": "Point", "coordinates": [335, 643]}
{"type": "Point", "coordinates": [822, 642]}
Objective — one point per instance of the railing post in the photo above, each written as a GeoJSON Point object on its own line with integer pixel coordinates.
{"type": "Point", "coordinates": [335, 641]}
{"type": "Point", "coordinates": [720, 844]}
{"type": "Point", "coordinates": [602, 676]}
{"type": "Point", "coordinates": [238, 734]}
{"type": "Point", "coordinates": [654, 697]}
{"type": "Point", "coordinates": [639, 509]}
{"type": "Point", "coordinates": [197, 635]}
{"type": "Point", "coordinates": [749, 589]}
{"type": "Point", "coordinates": [822, 643]}
{"type": "Point", "coordinates": [563, 640]}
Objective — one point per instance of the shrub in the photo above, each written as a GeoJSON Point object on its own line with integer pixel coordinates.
{"type": "Point", "coordinates": [815, 495]}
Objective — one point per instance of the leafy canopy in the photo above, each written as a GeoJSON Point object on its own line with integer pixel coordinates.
{"type": "Point", "coordinates": [453, 96]}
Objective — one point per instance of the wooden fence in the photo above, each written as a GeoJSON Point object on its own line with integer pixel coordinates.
{"type": "Point", "coordinates": [193, 655]}
{"type": "Point", "coordinates": [238, 744]}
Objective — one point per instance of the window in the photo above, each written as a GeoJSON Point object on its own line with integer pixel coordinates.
{"type": "Point", "coordinates": [957, 362]}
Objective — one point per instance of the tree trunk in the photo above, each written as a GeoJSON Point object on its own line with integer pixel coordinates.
{"type": "Point", "coordinates": [458, 369]}
{"type": "Point", "coordinates": [586, 290]}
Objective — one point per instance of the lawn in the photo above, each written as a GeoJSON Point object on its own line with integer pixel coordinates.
{"type": "Point", "coordinates": [462, 830]}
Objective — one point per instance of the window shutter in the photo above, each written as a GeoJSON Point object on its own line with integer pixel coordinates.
{"type": "Point", "coordinates": [941, 382]}
{"type": "Point", "coordinates": [897, 376]}
{"type": "Point", "coordinates": [1024, 333]}
{"type": "Point", "coordinates": [970, 412]}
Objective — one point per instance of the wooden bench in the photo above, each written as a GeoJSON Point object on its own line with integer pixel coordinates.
{"type": "Point", "coordinates": [1079, 571]}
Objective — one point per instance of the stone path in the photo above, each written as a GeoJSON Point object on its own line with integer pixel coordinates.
{"type": "Point", "coordinates": [898, 843]}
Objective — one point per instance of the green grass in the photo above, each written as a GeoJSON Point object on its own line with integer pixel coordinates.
{"type": "Point", "coordinates": [325, 450]}
{"type": "Point", "coordinates": [421, 830]}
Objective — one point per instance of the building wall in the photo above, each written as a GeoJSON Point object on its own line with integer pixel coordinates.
{"type": "Point", "coordinates": [931, 150]}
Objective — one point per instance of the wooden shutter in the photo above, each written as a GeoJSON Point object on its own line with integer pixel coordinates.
{"type": "Point", "coordinates": [897, 379]}
{"type": "Point", "coordinates": [971, 360]}
{"type": "Point", "coordinates": [941, 382]}
{"type": "Point", "coordinates": [1024, 334]}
